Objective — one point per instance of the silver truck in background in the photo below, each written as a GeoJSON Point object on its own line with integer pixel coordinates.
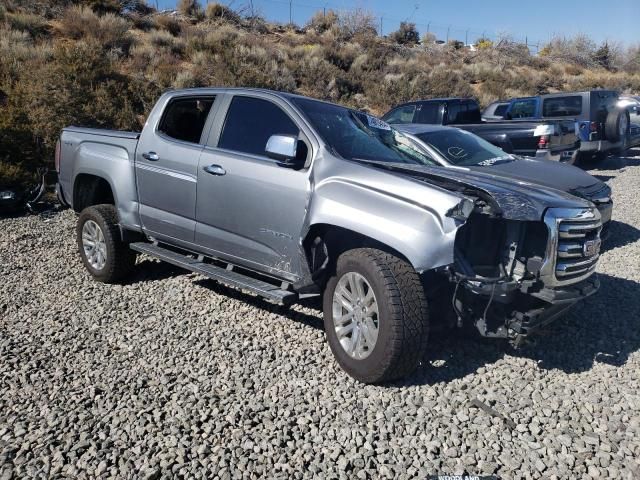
{"type": "Point", "coordinates": [289, 197]}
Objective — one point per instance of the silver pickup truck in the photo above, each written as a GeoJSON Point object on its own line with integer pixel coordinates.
{"type": "Point", "coordinates": [289, 197]}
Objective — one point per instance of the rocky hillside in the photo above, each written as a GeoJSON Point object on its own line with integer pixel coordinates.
{"type": "Point", "coordinates": [104, 63]}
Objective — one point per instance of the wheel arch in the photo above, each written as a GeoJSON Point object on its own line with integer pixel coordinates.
{"type": "Point", "coordinates": [324, 243]}
{"type": "Point", "coordinates": [90, 189]}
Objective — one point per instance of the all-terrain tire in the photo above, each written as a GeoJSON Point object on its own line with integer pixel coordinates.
{"type": "Point", "coordinates": [403, 324]}
{"type": "Point", "coordinates": [119, 259]}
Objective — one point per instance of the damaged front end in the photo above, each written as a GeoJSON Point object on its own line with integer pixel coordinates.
{"type": "Point", "coordinates": [511, 276]}
{"type": "Point", "coordinates": [516, 268]}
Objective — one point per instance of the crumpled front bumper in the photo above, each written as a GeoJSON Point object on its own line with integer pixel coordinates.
{"type": "Point", "coordinates": [558, 301]}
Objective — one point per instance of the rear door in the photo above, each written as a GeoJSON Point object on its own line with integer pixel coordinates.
{"type": "Point", "coordinates": [167, 165]}
{"type": "Point", "coordinates": [250, 210]}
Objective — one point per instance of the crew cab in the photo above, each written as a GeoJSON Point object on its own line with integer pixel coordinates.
{"type": "Point", "coordinates": [549, 139]}
{"type": "Point", "coordinates": [602, 125]}
{"type": "Point", "coordinates": [288, 197]}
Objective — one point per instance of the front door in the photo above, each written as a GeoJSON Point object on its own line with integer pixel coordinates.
{"type": "Point", "coordinates": [249, 209]}
{"type": "Point", "coordinates": [167, 166]}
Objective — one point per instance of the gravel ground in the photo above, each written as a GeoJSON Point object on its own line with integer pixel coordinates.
{"type": "Point", "coordinates": [174, 375]}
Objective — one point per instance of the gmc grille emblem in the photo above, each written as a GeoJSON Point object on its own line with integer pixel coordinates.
{"type": "Point", "coordinates": [591, 247]}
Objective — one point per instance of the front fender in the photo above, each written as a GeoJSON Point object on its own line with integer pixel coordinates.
{"type": "Point", "coordinates": [414, 223]}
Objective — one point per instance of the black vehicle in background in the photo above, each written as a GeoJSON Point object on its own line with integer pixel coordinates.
{"type": "Point", "coordinates": [549, 139]}
{"type": "Point", "coordinates": [602, 124]}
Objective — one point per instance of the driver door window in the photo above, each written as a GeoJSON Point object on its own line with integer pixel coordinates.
{"type": "Point", "coordinates": [249, 124]}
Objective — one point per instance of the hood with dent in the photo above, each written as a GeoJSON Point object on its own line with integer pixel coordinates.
{"type": "Point", "coordinates": [559, 176]}
{"type": "Point", "coordinates": [515, 199]}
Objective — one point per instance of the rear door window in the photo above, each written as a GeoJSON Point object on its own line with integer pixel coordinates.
{"type": "Point", "coordinates": [454, 112]}
{"type": "Point", "coordinates": [184, 118]}
{"type": "Point", "coordinates": [525, 108]}
{"type": "Point", "coordinates": [401, 115]}
{"type": "Point", "coordinates": [428, 113]}
{"type": "Point", "coordinates": [568, 106]}
{"type": "Point", "coordinates": [471, 113]}
{"type": "Point", "coordinates": [250, 122]}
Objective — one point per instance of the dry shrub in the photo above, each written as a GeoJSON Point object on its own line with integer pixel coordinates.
{"type": "Point", "coordinates": [165, 41]}
{"type": "Point", "coordinates": [34, 25]}
{"type": "Point", "coordinates": [218, 11]}
{"type": "Point", "coordinates": [321, 22]}
{"type": "Point", "coordinates": [109, 30]}
{"type": "Point", "coordinates": [168, 23]}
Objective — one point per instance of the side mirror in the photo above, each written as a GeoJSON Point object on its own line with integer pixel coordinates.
{"type": "Point", "coordinates": [508, 116]}
{"type": "Point", "coordinates": [282, 148]}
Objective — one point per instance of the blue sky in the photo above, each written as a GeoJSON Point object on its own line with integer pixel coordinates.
{"type": "Point", "coordinates": [537, 20]}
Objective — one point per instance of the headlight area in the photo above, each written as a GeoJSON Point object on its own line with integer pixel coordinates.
{"type": "Point", "coordinates": [497, 286]}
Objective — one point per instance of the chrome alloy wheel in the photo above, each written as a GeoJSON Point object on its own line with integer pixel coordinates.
{"type": "Point", "coordinates": [355, 315]}
{"type": "Point", "coordinates": [94, 245]}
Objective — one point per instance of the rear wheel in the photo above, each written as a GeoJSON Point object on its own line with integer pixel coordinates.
{"type": "Point", "coordinates": [375, 315]}
{"type": "Point", "coordinates": [107, 258]}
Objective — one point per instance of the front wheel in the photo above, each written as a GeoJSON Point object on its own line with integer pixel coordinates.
{"type": "Point", "coordinates": [107, 258]}
{"type": "Point", "coordinates": [375, 315]}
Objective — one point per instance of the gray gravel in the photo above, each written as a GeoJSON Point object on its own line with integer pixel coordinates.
{"type": "Point", "coordinates": [173, 375]}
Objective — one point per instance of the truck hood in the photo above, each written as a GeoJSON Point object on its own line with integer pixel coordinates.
{"type": "Point", "coordinates": [512, 198]}
{"type": "Point", "coordinates": [545, 173]}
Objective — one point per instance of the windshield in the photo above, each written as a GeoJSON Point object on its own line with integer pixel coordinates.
{"type": "Point", "coordinates": [463, 148]}
{"type": "Point", "coordinates": [358, 136]}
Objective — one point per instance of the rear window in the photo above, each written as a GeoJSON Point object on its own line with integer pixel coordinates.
{"type": "Point", "coordinates": [184, 118]}
{"type": "Point", "coordinates": [562, 106]}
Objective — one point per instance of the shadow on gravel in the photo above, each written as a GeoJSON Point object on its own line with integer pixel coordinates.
{"type": "Point", "coordinates": [154, 270]}
{"type": "Point", "coordinates": [604, 328]}
{"type": "Point", "coordinates": [620, 234]}
{"type": "Point", "coordinates": [614, 162]}
{"type": "Point", "coordinates": [292, 313]}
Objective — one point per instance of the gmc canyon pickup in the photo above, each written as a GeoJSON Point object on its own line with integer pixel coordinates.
{"type": "Point", "coordinates": [289, 197]}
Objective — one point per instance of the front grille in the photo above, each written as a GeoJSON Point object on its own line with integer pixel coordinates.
{"type": "Point", "coordinates": [574, 245]}
{"type": "Point", "coordinates": [578, 248]}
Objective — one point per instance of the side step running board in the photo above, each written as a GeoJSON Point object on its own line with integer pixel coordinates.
{"type": "Point", "coordinates": [227, 277]}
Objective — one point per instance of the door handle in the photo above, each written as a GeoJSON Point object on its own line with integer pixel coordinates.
{"type": "Point", "coordinates": [215, 170]}
{"type": "Point", "coordinates": [153, 156]}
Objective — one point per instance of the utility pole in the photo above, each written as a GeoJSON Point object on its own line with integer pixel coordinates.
{"type": "Point", "coordinates": [428, 26]}
{"type": "Point", "coordinates": [381, 33]}
{"type": "Point", "coordinates": [466, 37]}
{"type": "Point", "coordinates": [290, 12]}
{"type": "Point", "coordinates": [448, 28]}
